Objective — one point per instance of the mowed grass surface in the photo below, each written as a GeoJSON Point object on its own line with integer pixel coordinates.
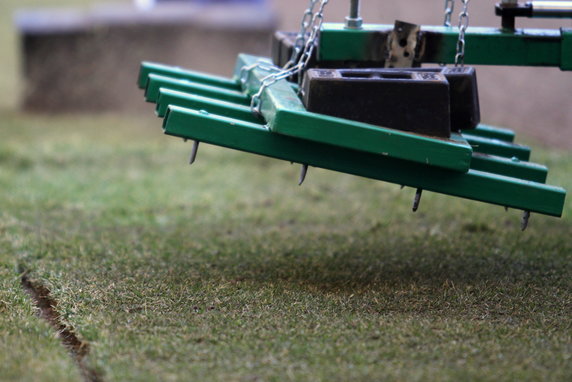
{"type": "Point", "coordinates": [229, 271]}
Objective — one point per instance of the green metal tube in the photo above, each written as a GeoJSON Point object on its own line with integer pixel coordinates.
{"type": "Point", "coordinates": [492, 132]}
{"type": "Point", "coordinates": [184, 74]}
{"type": "Point", "coordinates": [509, 167]}
{"type": "Point", "coordinates": [285, 114]}
{"type": "Point", "coordinates": [169, 97]}
{"type": "Point", "coordinates": [156, 82]}
{"type": "Point", "coordinates": [497, 147]}
{"type": "Point", "coordinates": [486, 46]}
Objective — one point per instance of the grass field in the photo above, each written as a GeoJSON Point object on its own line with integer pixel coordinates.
{"type": "Point", "coordinates": [229, 271]}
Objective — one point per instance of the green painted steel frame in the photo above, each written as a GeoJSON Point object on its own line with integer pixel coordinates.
{"type": "Point", "coordinates": [255, 138]}
{"type": "Point", "coordinates": [485, 46]}
{"type": "Point", "coordinates": [195, 107]}
{"type": "Point", "coordinates": [480, 161]}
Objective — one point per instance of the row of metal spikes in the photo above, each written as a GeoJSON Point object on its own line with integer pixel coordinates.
{"type": "Point", "coordinates": [416, 199]}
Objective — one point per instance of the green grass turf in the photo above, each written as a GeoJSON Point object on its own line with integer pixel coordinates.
{"type": "Point", "coordinates": [229, 271]}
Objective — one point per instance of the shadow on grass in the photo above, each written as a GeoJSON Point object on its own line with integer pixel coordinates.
{"type": "Point", "coordinates": [485, 275]}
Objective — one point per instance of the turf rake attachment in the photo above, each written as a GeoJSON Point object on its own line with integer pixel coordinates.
{"type": "Point", "coordinates": [354, 98]}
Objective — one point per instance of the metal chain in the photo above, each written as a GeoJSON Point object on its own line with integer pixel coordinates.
{"type": "Point", "coordinates": [301, 37]}
{"type": "Point", "coordinates": [463, 25]}
{"type": "Point", "coordinates": [298, 45]}
{"type": "Point", "coordinates": [449, 7]}
{"type": "Point", "coordinates": [299, 65]}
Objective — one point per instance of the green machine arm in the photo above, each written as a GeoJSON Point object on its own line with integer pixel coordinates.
{"type": "Point", "coordinates": [488, 46]}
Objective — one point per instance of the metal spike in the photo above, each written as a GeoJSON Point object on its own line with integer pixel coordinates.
{"type": "Point", "coordinates": [525, 218]}
{"type": "Point", "coordinates": [194, 152]}
{"type": "Point", "coordinates": [303, 172]}
{"type": "Point", "coordinates": [417, 199]}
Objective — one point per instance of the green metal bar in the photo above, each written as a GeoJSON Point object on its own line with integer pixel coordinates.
{"type": "Point", "coordinates": [566, 49]}
{"type": "Point", "coordinates": [509, 167]}
{"type": "Point", "coordinates": [498, 147]}
{"type": "Point", "coordinates": [512, 166]}
{"type": "Point", "coordinates": [485, 46]}
{"type": "Point", "coordinates": [363, 137]}
{"type": "Point", "coordinates": [255, 138]}
{"type": "Point", "coordinates": [279, 96]}
{"type": "Point", "coordinates": [157, 82]}
{"type": "Point", "coordinates": [492, 132]}
{"type": "Point", "coordinates": [227, 109]}
{"type": "Point", "coordinates": [285, 114]}
{"type": "Point", "coordinates": [184, 74]}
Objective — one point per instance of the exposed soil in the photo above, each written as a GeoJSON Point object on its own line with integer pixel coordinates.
{"type": "Point", "coordinates": [46, 306]}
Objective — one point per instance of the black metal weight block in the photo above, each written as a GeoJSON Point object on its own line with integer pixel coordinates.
{"type": "Point", "coordinates": [463, 98]}
{"type": "Point", "coordinates": [402, 99]}
{"type": "Point", "coordinates": [464, 95]}
{"type": "Point", "coordinates": [282, 47]}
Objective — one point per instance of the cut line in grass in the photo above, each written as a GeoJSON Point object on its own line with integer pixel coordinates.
{"type": "Point", "coordinates": [46, 305]}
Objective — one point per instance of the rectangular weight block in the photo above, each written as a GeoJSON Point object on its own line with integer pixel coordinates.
{"type": "Point", "coordinates": [464, 95]}
{"type": "Point", "coordinates": [408, 100]}
{"type": "Point", "coordinates": [282, 47]}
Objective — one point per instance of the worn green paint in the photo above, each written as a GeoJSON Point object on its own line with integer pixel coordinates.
{"type": "Point", "coordinates": [184, 74]}
{"type": "Point", "coordinates": [156, 82]}
{"type": "Point", "coordinates": [485, 46]}
{"type": "Point", "coordinates": [509, 167]}
{"type": "Point", "coordinates": [498, 147]}
{"type": "Point", "coordinates": [280, 96]}
{"type": "Point", "coordinates": [255, 138]}
{"type": "Point", "coordinates": [285, 114]}
{"type": "Point", "coordinates": [487, 131]}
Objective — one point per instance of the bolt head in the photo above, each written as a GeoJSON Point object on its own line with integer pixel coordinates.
{"type": "Point", "coordinates": [354, 23]}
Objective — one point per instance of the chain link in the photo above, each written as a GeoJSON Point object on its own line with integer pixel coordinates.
{"type": "Point", "coordinates": [449, 7]}
{"type": "Point", "coordinates": [463, 25]}
{"type": "Point", "coordinates": [301, 37]}
{"type": "Point", "coordinates": [301, 60]}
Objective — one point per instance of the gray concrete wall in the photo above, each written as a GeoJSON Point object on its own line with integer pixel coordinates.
{"type": "Point", "coordinates": [88, 61]}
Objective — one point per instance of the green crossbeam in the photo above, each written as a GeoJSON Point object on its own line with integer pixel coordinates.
{"type": "Point", "coordinates": [488, 46]}
{"type": "Point", "coordinates": [255, 138]}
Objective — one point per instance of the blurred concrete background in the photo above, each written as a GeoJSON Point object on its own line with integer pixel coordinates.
{"type": "Point", "coordinates": [532, 100]}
